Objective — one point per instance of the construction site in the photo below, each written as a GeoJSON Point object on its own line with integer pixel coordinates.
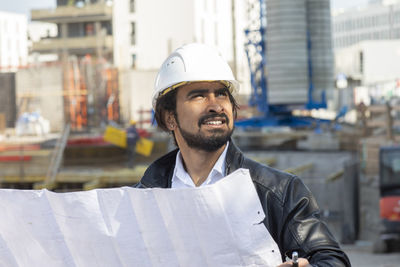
{"type": "Point", "coordinates": [63, 123]}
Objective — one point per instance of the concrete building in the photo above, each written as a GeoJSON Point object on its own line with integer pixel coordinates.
{"type": "Point", "coordinates": [380, 20]}
{"type": "Point", "coordinates": [372, 69]}
{"type": "Point", "coordinates": [141, 33]}
{"type": "Point", "coordinates": [82, 29]}
{"type": "Point", "coordinates": [41, 90]}
{"type": "Point", "coordinates": [41, 30]}
{"type": "Point", "coordinates": [371, 62]}
{"type": "Point", "coordinates": [13, 41]}
{"type": "Point", "coordinates": [137, 35]}
{"type": "Point", "coordinates": [36, 32]}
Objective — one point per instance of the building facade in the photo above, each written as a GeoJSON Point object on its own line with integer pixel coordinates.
{"type": "Point", "coordinates": [13, 41]}
{"type": "Point", "coordinates": [139, 34]}
{"type": "Point", "coordinates": [379, 20]}
{"type": "Point", "coordinates": [135, 36]}
{"type": "Point", "coordinates": [370, 62]}
{"type": "Point", "coordinates": [36, 32]}
{"type": "Point", "coordinates": [81, 29]}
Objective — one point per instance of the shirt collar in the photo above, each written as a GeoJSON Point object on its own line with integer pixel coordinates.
{"type": "Point", "coordinates": [217, 172]}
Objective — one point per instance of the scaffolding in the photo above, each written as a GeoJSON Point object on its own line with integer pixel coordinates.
{"type": "Point", "coordinates": [91, 95]}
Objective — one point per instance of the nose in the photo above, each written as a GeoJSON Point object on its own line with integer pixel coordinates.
{"type": "Point", "coordinates": [214, 106]}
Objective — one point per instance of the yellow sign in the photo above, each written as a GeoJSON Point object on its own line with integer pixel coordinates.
{"type": "Point", "coordinates": [115, 136]}
{"type": "Point", "coordinates": [144, 147]}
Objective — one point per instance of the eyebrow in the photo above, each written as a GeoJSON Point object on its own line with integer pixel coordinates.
{"type": "Point", "coordinates": [203, 91]}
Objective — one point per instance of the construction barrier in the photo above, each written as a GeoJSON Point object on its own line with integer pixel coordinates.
{"type": "Point", "coordinates": [117, 137]}
{"type": "Point", "coordinates": [144, 147]}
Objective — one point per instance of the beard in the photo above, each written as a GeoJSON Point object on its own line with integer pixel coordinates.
{"type": "Point", "coordinates": [211, 143]}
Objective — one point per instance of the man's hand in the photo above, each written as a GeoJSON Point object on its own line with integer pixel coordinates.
{"type": "Point", "coordinates": [302, 263]}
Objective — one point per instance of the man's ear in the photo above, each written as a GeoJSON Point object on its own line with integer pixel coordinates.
{"type": "Point", "coordinates": [170, 120]}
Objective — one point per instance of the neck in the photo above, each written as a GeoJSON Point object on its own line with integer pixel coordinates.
{"type": "Point", "coordinates": [199, 163]}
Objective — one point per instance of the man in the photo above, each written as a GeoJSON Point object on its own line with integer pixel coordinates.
{"type": "Point", "coordinates": [193, 101]}
{"type": "Point", "coordinates": [132, 136]}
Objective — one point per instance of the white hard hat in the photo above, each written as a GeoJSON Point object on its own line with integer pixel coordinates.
{"type": "Point", "coordinates": [189, 63]}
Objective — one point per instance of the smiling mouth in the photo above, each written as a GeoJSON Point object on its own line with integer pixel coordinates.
{"type": "Point", "coordinates": [214, 122]}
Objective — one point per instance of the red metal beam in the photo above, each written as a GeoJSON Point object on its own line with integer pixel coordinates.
{"type": "Point", "coordinates": [14, 158]}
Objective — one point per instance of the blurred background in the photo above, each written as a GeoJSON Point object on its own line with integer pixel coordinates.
{"type": "Point", "coordinates": [319, 97]}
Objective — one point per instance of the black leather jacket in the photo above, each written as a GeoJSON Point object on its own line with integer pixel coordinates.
{"type": "Point", "coordinates": [292, 219]}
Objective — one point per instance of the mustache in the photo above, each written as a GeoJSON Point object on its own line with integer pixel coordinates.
{"type": "Point", "coordinates": [213, 116]}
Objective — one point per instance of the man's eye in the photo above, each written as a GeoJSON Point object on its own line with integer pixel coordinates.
{"type": "Point", "coordinates": [223, 93]}
{"type": "Point", "coordinates": [197, 96]}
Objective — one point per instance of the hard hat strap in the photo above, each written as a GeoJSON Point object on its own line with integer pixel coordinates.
{"type": "Point", "coordinates": [173, 87]}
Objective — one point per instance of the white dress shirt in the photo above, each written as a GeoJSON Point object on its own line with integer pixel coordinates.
{"type": "Point", "coordinates": [182, 179]}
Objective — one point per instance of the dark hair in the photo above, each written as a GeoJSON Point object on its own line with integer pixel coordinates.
{"type": "Point", "coordinates": [167, 103]}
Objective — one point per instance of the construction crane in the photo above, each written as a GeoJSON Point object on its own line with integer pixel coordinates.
{"type": "Point", "coordinates": [274, 114]}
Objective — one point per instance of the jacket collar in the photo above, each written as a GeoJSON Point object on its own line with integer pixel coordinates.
{"type": "Point", "coordinates": [234, 158]}
{"type": "Point", "coordinates": [159, 173]}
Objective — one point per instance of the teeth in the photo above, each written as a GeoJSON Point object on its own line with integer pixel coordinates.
{"type": "Point", "coordinates": [214, 122]}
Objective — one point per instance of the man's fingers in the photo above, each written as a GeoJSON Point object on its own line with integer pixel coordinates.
{"type": "Point", "coordinates": [303, 262]}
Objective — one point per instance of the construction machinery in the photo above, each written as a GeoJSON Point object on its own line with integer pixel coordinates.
{"type": "Point", "coordinates": [290, 57]}
{"type": "Point", "coordinates": [389, 188]}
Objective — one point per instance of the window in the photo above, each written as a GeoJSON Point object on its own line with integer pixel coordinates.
{"type": "Point", "coordinates": [202, 31]}
{"type": "Point", "coordinates": [132, 6]}
{"type": "Point", "coordinates": [216, 33]}
{"type": "Point", "coordinates": [59, 30]}
{"type": "Point", "coordinates": [368, 22]}
{"type": "Point", "coordinates": [348, 25]}
{"type": "Point", "coordinates": [396, 18]}
{"type": "Point", "coordinates": [397, 33]}
{"type": "Point", "coordinates": [361, 56]}
{"type": "Point", "coordinates": [390, 167]}
{"type": "Point", "coordinates": [107, 26]}
{"type": "Point", "coordinates": [80, 3]}
{"type": "Point", "coordinates": [134, 61]}
{"type": "Point", "coordinates": [133, 33]}
{"type": "Point", "coordinates": [62, 2]}
{"type": "Point", "coordinates": [89, 29]}
{"type": "Point", "coordinates": [385, 19]}
{"type": "Point", "coordinates": [76, 30]}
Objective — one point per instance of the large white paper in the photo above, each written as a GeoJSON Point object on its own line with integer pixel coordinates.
{"type": "Point", "coordinates": [217, 225]}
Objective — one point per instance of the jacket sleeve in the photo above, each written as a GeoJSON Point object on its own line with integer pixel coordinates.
{"type": "Point", "coordinates": [303, 230]}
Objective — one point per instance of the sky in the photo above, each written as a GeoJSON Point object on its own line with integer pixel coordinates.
{"type": "Point", "coordinates": [337, 4]}
{"type": "Point", "coordinates": [23, 6]}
